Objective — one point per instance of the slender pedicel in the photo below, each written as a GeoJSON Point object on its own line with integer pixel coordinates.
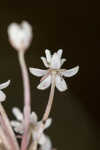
{"type": "Point", "coordinates": [3, 140]}
{"type": "Point", "coordinates": [50, 101]}
{"type": "Point", "coordinates": [27, 108]}
{"type": "Point", "coordinates": [5, 124]}
{"type": "Point", "coordinates": [33, 146]}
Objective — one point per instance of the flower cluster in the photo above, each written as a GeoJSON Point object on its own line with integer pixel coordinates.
{"type": "Point", "coordinates": [37, 127]}
{"type": "Point", "coordinates": [26, 124]}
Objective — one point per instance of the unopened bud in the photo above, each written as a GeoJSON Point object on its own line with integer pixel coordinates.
{"type": "Point", "coordinates": [20, 35]}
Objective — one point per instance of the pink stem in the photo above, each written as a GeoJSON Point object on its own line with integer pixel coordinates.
{"type": "Point", "coordinates": [5, 124]}
{"type": "Point", "coordinates": [7, 134]}
{"type": "Point", "coordinates": [50, 101]}
{"type": "Point", "coordinates": [27, 108]}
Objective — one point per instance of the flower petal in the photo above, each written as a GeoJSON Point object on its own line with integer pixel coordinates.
{"type": "Point", "coordinates": [56, 61]}
{"type": "Point", "coordinates": [62, 61]}
{"type": "Point", "coordinates": [19, 130]}
{"type": "Point", "coordinates": [15, 123]}
{"type": "Point", "coordinates": [60, 84]}
{"type": "Point", "coordinates": [2, 96]}
{"type": "Point", "coordinates": [27, 28]}
{"type": "Point", "coordinates": [59, 52]}
{"type": "Point", "coordinates": [71, 72]}
{"type": "Point", "coordinates": [17, 113]}
{"type": "Point", "coordinates": [44, 62]}
{"type": "Point", "coordinates": [48, 55]}
{"type": "Point", "coordinates": [48, 123]}
{"type": "Point", "coordinates": [45, 83]}
{"type": "Point", "coordinates": [4, 85]}
{"type": "Point", "coordinates": [15, 34]}
{"type": "Point", "coordinates": [42, 139]}
{"type": "Point", "coordinates": [13, 29]}
{"type": "Point", "coordinates": [18, 127]}
{"type": "Point", "coordinates": [34, 118]}
{"type": "Point", "coordinates": [37, 72]}
{"type": "Point", "coordinates": [46, 143]}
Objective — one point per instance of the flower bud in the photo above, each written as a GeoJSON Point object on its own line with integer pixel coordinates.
{"type": "Point", "coordinates": [20, 35]}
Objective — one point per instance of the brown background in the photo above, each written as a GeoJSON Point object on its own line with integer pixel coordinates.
{"type": "Point", "coordinates": [73, 26]}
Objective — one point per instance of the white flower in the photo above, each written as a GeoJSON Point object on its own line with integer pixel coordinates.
{"type": "Point", "coordinates": [20, 36]}
{"type": "Point", "coordinates": [2, 94]}
{"type": "Point", "coordinates": [53, 63]}
{"type": "Point", "coordinates": [37, 127]}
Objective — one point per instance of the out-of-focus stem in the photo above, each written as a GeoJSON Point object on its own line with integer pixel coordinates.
{"type": "Point", "coordinates": [33, 145]}
{"type": "Point", "coordinates": [50, 101]}
{"type": "Point", "coordinates": [7, 130]}
{"type": "Point", "coordinates": [3, 140]}
{"type": "Point", "coordinates": [27, 108]}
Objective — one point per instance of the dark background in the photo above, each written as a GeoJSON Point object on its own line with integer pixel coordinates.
{"type": "Point", "coordinates": [73, 26]}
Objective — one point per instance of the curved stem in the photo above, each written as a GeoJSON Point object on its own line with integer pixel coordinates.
{"type": "Point", "coordinates": [50, 101]}
{"type": "Point", "coordinates": [27, 108]}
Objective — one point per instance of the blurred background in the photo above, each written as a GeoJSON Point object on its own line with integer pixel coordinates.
{"type": "Point", "coordinates": [73, 26]}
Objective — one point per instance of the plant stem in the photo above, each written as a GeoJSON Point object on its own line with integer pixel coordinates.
{"type": "Point", "coordinates": [50, 101]}
{"type": "Point", "coordinates": [6, 127]}
{"type": "Point", "coordinates": [27, 108]}
{"type": "Point", "coordinates": [3, 140]}
{"type": "Point", "coordinates": [33, 146]}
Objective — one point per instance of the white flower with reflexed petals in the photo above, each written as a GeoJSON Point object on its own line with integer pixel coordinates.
{"type": "Point", "coordinates": [53, 63]}
{"type": "Point", "coordinates": [20, 35]}
{"type": "Point", "coordinates": [2, 94]}
{"type": "Point", "coordinates": [37, 127]}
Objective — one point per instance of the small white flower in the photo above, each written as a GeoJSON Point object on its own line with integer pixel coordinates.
{"type": "Point", "coordinates": [20, 36]}
{"type": "Point", "coordinates": [2, 94]}
{"type": "Point", "coordinates": [37, 127]}
{"type": "Point", "coordinates": [53, 63]}
{"type": "Point", "coordinates": [18, 124]}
